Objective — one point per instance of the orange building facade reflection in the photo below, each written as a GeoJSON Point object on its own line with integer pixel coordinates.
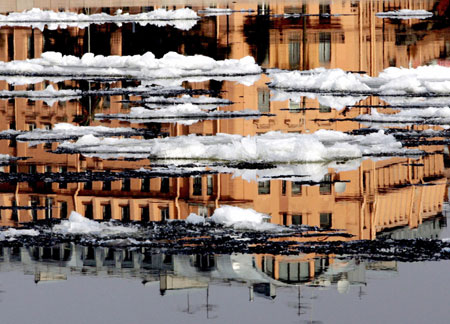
{"type": "Point", "coordinates": [376, 196]}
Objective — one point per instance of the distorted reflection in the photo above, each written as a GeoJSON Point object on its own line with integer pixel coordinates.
{"type": "Point", "coordinates": [364, 197]}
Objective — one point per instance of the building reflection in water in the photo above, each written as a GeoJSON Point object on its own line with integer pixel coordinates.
{"type": "Point", "coordinates": [263, 274]}
{"type": "Point", "coordinates": [377, 196]}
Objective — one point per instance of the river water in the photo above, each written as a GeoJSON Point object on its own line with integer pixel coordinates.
{"type": "Point", "coordinates": [336, 174]}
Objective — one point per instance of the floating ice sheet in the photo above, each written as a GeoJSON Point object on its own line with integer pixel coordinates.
{"type": "Point", "coordinates": [405, 14]}
{"type": "Point", "coordinates": [322, 146]}
{"type": "Point", "coordinates": [78, 224]}
{"type": "Point", "coordinates": [11, 233]}
{"type": "Point", "coordinates": [65, 131]}
{"type": "Point", "coordinates": [425, 81]}
{"type": "Point", "coordinates": [237, 218]}
{"type": "Point", "coordinates": [336, 102]}
{"type": "Point", "coordinates": [204, 101]}
{"type": "Point", "coordinates": [49, 95]}
{"type": "Point", "coordinates": [430, 116]}
{"type": "Point", "coordinates": [186, 114]}
{"type": "Point", "coordinates": [183, 19]}
{"type": "Point", "coordinates": [172, 66]}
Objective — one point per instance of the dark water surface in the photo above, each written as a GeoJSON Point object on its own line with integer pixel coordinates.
{"type": "Point", "coordinates": [354, 238]}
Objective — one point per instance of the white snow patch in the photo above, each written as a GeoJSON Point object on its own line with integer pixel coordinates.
{"type": "Point", "coordinates": [204, 101]}
{"type": "Point", "coordinates": [183, 19]}
{"type": "Point", "coordinates": [10, 233]}
{"type": "Point", "coordinates": [64, 131]}
{"type": "Point", "coordinates": [336, 102]}
{"type": "Point", "coordinates": [321, 146]}
{"type": "Point", "coordinates": [171, 66]}
{"type": "Point", "coordinates": [195, 219]}
{"type": "Point", "coordinates": [78, 224]}
{"type": "Point", "coordinates": [393, 80]}
{"type": "Point", "coordinates": [319, 78]}
{"type": "Point", "coordinates": [240, 219]}
{"type": "Point", "coordinates": [49, 95]}
{"type": "Point", "coordinates": [405, 14]}
{"type": "Point", "coordinates": [6, 157]}
{"type": "Point", "coordinates": [186, 114]}
{"type": "Point", "coordinates": [431, 115]}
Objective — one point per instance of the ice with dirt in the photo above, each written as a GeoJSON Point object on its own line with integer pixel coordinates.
{"type": "Point", "coordinates": [10, 234]}
{"type": "Point", "coordinates": [183, 19]}
{"type": "Point", "coordinates": [78, 224]}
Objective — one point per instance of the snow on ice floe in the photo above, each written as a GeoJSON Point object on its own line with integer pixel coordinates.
{"type": "Point", "coordinates": [237, 218]}
{"type": "Point", "coordinates": [208, 12]}
{"type": "Point", "coordinates": [304, 173]}
{"type": "Point", "coordinates": [172, 66]}
{"type": "Point", "coordinates": [429, 116]}
{"type": "Point", "coordinates": [11, 233]}
{"type": "Point", "coordinates": [186, 114]}
{"type": "Point", "coordinates": [183, 19]}
{"type": "Point", "coordinates": [65, 131]}
{"type": "Point", "coordinates": [204, 101]}
{"type": "Point", "coordinates": [405, 14]}
{"type": "Point", "coordinates": [276, 147]}
{"type": "Point", "coordinates": [416, 102]}
{"type": "Point", "coordinates": [424, 80]}
{"type": "Point", "coordinates": [49, 95]}
{"type": "Point", "coordinates": [336, 102]}
{"type": "Point", "coordinates": [78, 224]}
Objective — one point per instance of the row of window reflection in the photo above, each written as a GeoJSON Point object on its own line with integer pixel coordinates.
{"type": "Point", "coordinates": [294, 272]}
{"type": "Point", "coordinates": [88, 211]}
{"type": "Point", "coordinates": [125, 212]}
{"type": "Point", "coordinates": [325, 187]}
{"type": "Point", "coordinates": [288, 271]}
{"type": "Point", "coordinates": [264, 103]}
{"type": "Point", "coordinates": [325, 220]}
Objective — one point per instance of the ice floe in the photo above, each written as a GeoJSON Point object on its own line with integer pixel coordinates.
{"type": "Point", "coordinates": [429, 116]}
{"type": "Point", "coordinates": [11, 233]}
{"type": "Point", "coordinates": [431, 80]}
{"type": "Point", "coordinates": [195, 219]}
{"type": "Point", "coordinates": [204, 101]}
{"type": "Point", "coordinates": [405, 14]}
{"type": "Point", "coordinates": [276, 147]}
{"type": "Point", "coordinates": [183, 19]}
{"type": "Point", "coordinates": [186, 114]}
{"type": "Point", "coordinates": [49, 95]}
{"type": "Point", "coordinates": [78, 224]}
{"type": "Point", "coordinates": [143, 67]}
{"type": "Point", "coordinates": [237, 218]}
{"type": "Point", "coordinates": [65, 131]}
{"type": "Point", "coordinates": [333, 101]}
{"type": "Point", "coordinates": [304, 173]}
{"type": "Point", "coordinates": [243, 219]}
